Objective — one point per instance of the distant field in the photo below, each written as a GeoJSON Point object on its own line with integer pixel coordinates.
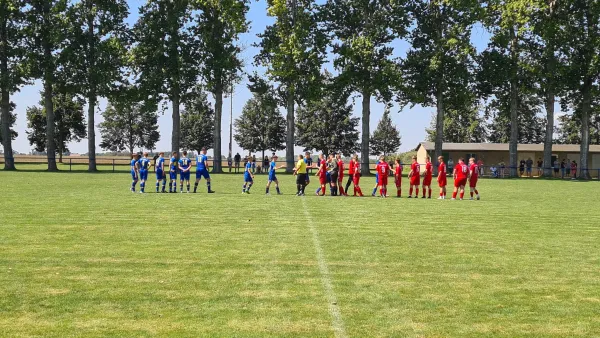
{"type": "Point", "coordinates": [82, 256]}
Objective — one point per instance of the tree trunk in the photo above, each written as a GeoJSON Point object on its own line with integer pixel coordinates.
{"type": "Point", "coordinates": [439, 125]}
{"type": "Point", "coordinates": [585, 130]}
{"type": "Point", "coordinates": [549, 133]}
{"type": "Point", "coordinates": [514, 121]}
{"type": "Point", "coordinates": [366, 132]}
{"type": "Point", "coordinates": [9, 161]}
{"type": "Point", "coordinates": [217, 163]}
{"type": "Point", "coordinates": [291, 130]}
{"type": "Point", "coordinates": [92, 94]}
{"type": "Point", "coordinates": [176, 122]}
{"type": "Point", "coordinates": [49, 68]}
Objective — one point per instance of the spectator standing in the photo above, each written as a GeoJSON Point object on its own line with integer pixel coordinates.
{"type": "Point", "coordinates": [502, 168]}
{"type": "Point", "coordinates": [573, 170]}
{"type": "Point", "coordinates": [529, 165]}
{"type": "Point", "coordinates": [568, 167]}
{"type": "Point", "coordinates": [450, 165]}
{"type": "Point", "coordinates": [480, 166]}
{"type": "Point", "coordinates": [229, 163]}
{"type": "Point", "coordinates": [556, 167]}
{"type": "Point", "coordinates": [563, 168]}
{"type": "Point", "coordinates": [522, 167]}
{"type": "Point", "coordinates": [540, 163]}
{"type": "Point", "coordinates": [265, 163]}
{"type": "Point", "coordinates": [236, 159]}
{"type": "Point", "coordinates": [253, 164]}
{"type": "Point", "coordinates": [309, 161]}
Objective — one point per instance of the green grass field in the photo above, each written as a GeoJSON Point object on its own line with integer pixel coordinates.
{"type": "Point", "coordinates": [82, 256]}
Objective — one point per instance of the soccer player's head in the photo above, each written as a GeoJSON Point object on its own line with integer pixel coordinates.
{"type": "Point", "coordinates": [174, 154]}
{"type": "Point", "coordinates": [427, 158]}
{"type": "Point", "coordinates": [274, 158]}
{"type": "Point", "coordinates": [138, 156]}
{"type": "Point", "coordinates": [204, 151]}
{"type": "Point", "coordinates": [472, 160]}
{"type": "Point", "coordinates": [381, 158]}
{"type": "Point", "coordinates": [145, 154]}
{"type": "Point", "coordinates": [440, 159]}
{"type": "Point", "coordinates": [161, 154]}
{"type": "Point", "coordinates": [300, 157]}
{"type": "Point", "coordinates": [397, 161]}
{"type": "Point", "coordinates": [461, 160]}
{"type": "Point", "coordinates": [414, 158]}
{"type": "Point", "coordinates": [185, 153]}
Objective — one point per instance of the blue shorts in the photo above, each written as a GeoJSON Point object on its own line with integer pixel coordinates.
{"type": "Point", "coordinates": [173, 175]}
{"type": "Point", "coordinates": [328, 177]}
{"type": "Point", "coordinates": [134, 175]}
{"type": "Point", "coordinates": [202, 173]}
{"type": "Point", "coordinates": [272, 177]}
{"type": "Point", "coordinates": [160, 175]}
{"type": "Point", "coordinates": [377, 178]}
{"type": "Point", "coordinates": [248, 178]}
{"type": "Point", "coordinates": [184, 176]}
{"type": "Point", "coordinates": [143, 174]}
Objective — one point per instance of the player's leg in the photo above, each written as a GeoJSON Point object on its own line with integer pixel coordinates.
{"type": "Point", "coordinates": [424, 187]}
{"type": "Point", "coordinates": [462, 191]}
{"type": "Point", "coordinates": [134, 180]}
{"type": "Point", "coordinates": [198, 178]}
{"type": "Point", "coordinates": [348, 183]}
{"type": "Point", "coordinates": [429, 191]}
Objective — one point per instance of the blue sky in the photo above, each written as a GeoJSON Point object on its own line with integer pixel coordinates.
{"type": "Point", "coordinates": [410, 121]}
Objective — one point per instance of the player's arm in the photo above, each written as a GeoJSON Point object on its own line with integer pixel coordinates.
{"type": "Point", "coordinates": [454, 173]}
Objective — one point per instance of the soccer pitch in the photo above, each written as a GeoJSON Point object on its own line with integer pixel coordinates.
{"type": "Point", "coordinates": [82, 256]}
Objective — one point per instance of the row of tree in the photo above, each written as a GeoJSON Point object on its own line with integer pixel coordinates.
{"type": "Point", "coordinates": [539, 51]}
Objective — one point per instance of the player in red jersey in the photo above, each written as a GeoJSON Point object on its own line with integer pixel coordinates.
{"type": "Point", "coordinates": [340, 163]}
{"type": "Point", "coordinates": [351, 171]}
{"type": "Point", "coordinates": [427, 176]}
{"type": "Point", "coordinates": [356, 177]}
{"type": "Point", "coordinates": [322, 174]}
{"type": "Point", "coordinates": [442, 178]}
{"type": "Point", "coordinates": [460, 178]}
{"type": "Point", "coordinates": [473, 173]}
{"type": "Point", "coordinates": [383, 170]}
{"type": "Point", "coordinates": [415, 177]}
{"type": "Point", "coordinates": [398, 177]}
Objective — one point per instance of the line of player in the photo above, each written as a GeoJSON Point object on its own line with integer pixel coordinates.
{"type": "Point", "coordinates": [330, 171]}
{"type": "Point", "coordinates": [140, 167]}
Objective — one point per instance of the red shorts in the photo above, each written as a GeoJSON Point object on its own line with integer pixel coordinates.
{"type": "Point", "coordinates": [355, 179]}
{"type": "Point", "coordinates": [383, 180]}
{"type": "Point", "coordinates": [473, 183]}
{"type": "Point", "coordinates": [398, 182]}
{"type": "Point", "coordinates": [442, 182]}
{"type": "Point", "coordinates": [427, 181]}
{"type": "Point", "coordinates": [340, 177]}
{"type": "Point", "coordinates": [415, 180]}
{"type": "Point", "coordinates": [322, 179]}
{"type": "Point", "coordinates": [460, 182]}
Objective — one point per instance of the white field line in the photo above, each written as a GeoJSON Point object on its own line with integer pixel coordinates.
{"type": "Point", "coordinates": [334, 309]}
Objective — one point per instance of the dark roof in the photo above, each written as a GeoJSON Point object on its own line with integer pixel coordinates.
{"type": "Point", "coordinates": [559, 148]}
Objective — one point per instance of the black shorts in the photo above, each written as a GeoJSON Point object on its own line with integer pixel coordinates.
{"type": "Point", "coordinates": [301, 179]}
{"type": "Point", "coordinates": [334, 177]}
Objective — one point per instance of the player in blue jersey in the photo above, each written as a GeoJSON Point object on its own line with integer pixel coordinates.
{"type": "Point", "coordinates": [309, 165]}
{"type": "Point", "coordinates": [173, 173]}
{"type": "Point", "coordinates": [376, 185]}
{"type": "Point", "coordinates": [185, 165]}
{"type": "Point", "coordinates": [144, 164]}
{"type": "Point", "coordinates": [202, 170]}
{"type": "Point", "coordinates": [248, 177]}
{"type": "Point", "coordinates": [272, 177]}
{"type": "Point", "coordinates": [160, 172]}
{"type": "Point", "coordinates": [135, 173]}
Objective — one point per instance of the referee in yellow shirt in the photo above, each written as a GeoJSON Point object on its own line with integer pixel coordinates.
{"type": "Point", "coordinates": [300, 172]}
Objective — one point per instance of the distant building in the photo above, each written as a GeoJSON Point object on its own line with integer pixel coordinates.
{"type": "Point", "coordinates": [493, 153]}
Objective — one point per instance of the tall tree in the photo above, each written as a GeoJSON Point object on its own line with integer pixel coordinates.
{"type": "Point", "coordinates": [569, 126]}
{"type": "Point", "coordinates": [69, 123]}
{"type": "Point", "coordinates": [166, 56]}
{"type": "Point", "coordinates": [543, 51]}
{"type": "Point", "coordinates": [95, 54]}
{"type": "Point", "coordinates": [46, 35]}
{"type": "Point", "coordinates": [127, 125]}
{"type": "Point", "coordinates": [386, 137]}
{"type": "Point", "coordinates": [582, 73]}
{"type": "Point", "coordinates": [438, 68]}
{"type": "Point", "coordinates": [197, 123]}
{"type": "Point", "coordinates": [12, 74]}
{"type": "Point", "coordinates": [461, 125]}
{"type": "Point", "coordinates": [12, 119]}
{"type": "Point", "coordinates": [326, 124]}
{"type": "Point", "coordinates": [362, 31]}
{"type": "Point", "coordinates": [503, 63]}
{"type": "Point", "coordinates": [260, 127]}
{"type": "Point", "coordinates": [293, 50]}
{"type": "Point", "coordinates": [220, 23]}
